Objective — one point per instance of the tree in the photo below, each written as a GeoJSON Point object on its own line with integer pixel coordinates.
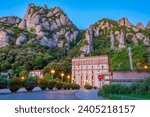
{"type": "Point", "coordinates": [47, 77]}
{"type": "Point", "coordinates": [38, 62]}
{"type": "Point", "coordinates": [24, 74]}
{"type": "Point", "coordinates": [101, 46]}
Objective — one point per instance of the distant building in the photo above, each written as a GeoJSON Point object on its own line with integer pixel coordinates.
{"type": "Point", "coordinates": [38, 73]}
{"type": "Point", "coordinates": [87, 69]}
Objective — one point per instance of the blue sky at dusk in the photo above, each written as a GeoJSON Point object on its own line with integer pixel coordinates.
{"type": "Point", "coordinates": [83, 13]}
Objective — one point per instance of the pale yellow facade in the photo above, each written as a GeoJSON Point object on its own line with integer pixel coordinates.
{"type": "Point", "coordinates": [86, 70]}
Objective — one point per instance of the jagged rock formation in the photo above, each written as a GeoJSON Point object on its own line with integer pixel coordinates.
{"type": "Point", "coordinates": [9, 21]}
{"type": "Point", "coordinates": [5, 31]}
{"type": "Point", "coordinates": [22, 39]}
{"type": "Point", "coordinates": [140, 26]}
{"type": "Point", "coordinates": [125, 22]}
{"type": "Point", "coordinates": [148, 25]}
{"type": "Point", "coordinates": [116, 31]}
{"type": "Point", "coordinates": [50, 27]}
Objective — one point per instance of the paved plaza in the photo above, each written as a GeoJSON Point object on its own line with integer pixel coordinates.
{"type": "Point", "coordinates": [37, 94]}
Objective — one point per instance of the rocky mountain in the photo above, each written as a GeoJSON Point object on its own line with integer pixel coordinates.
{"type": "Point", "coordinates": [148, 25]}
{"type": "Point", "coordinates": [140, 26]}
{"type": "Point", "coordinates": [9, 21]}
{"type": "Point", "coordinates": [52, 28]}
{"type": "Point", "coordinates": [120, 33]}
{"type": "Point", "coordinates": [48, 27]}
{"type": "Point", "coordinates": [5, 32]}
{"type": "Point", "coordinates": [46, 38]}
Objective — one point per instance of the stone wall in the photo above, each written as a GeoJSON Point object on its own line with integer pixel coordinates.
{"type": "Point", "coordinates": [130, 74]}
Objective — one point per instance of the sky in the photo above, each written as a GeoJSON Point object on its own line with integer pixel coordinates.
{"type": "Point", "coordinates": [84, 13]}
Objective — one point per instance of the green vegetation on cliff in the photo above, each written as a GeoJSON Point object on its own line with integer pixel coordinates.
{"type": "Point", "coordinates": [119, 57]}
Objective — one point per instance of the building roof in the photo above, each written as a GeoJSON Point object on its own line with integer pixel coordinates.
{"type": "Point", "coordinates": [36, 71]}
{"type": "Point", "coordinates": [90, 57]}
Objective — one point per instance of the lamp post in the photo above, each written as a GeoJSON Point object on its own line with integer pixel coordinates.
{"type": "Point", "coordinates": [52, 72]}
{"type": "Point", "coordinates": [41, 76]}
{"type": "Point", "coordinates": [145, 67]}
{"type": "Point", "coordinates": [68, 77]}
{"type": "Point", "coordinates": [100, 77]}
{"type": "Point", "coordinates": [62, 76]}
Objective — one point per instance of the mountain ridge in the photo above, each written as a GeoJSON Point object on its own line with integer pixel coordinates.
{"type": "Point", "coordinates": [50, 27]}
{"type": "Point", "coordinates": [116, 30]}
{"type": "Point", "coordinates": [53, 28]}
{"type": "Point", "coordinates": [47, 38]}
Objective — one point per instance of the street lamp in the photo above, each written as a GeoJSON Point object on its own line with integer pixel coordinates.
{"type": "Point", "coordinates": [68, 78]}
{"type": "Point", "coordinates": [52, 72]}
{"type": "Point", "coordinates": [41, 76]}
{"type": "Point", "coordinates": [145, 67]}
{"type": "Point", "coordinates": [22, 78]}
{"type": "Point", "coordinates": [62, 76]}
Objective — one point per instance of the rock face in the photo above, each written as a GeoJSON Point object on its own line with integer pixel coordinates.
{"type": "Point", "coordinates": [6, 32]}
{"type": "Point", "coordinates": [10, 21]}
{"type": "Point", "coordinates": [140, 26]}
{"type": "Point", "coordinates": [5, 38]}
{"type": "Point", "coordinates": [47, 25]}
{"type": "Point", "coordinates": [52, 28]}
{"type": "Point", "coordinates": [125, 22]}
{"type": "Point", "coordinates": [112, 39]}
{"type": "Point", "coordinates": [50, 23]}
{"type": "Point", "coordinates": [148, 25]}
{"type": "Point", "coordinates": [22, 39]}
{"type": "Point", "coordinates": [117, 31]}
